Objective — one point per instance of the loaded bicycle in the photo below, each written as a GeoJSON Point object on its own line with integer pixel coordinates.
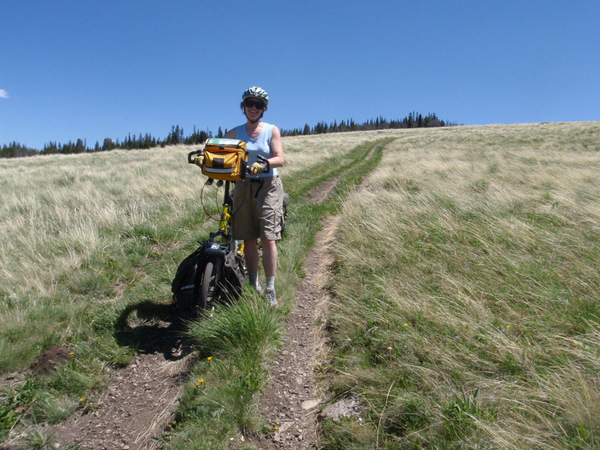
{"type": "Point", "coordinates": [216, 270]}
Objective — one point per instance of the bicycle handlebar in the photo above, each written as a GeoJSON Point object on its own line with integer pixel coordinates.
{"type": "Point", "coordinates": [266, 161]}
{"type": "Point", "coordinates": [193, 155]}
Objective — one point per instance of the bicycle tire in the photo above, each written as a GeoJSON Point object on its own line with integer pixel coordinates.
{"type": "Point", "coordinates": [209, 285]}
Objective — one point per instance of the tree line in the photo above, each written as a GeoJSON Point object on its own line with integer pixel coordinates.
{"type": "Point", "coordinates": [177, 136]}
{"type": "Point", "coordinates": [131, 142]}
{"type": "Point", "coordinates": [413, 120]}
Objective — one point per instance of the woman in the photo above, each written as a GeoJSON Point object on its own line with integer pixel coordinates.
{"type": "Point", "coordinates": [258, 200]}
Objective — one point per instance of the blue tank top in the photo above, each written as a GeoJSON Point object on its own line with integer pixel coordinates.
{"type": "Point", "coordinates": [259, 146]}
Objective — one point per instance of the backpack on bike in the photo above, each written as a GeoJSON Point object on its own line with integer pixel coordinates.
{"type": "Point", "coordinates": [225, 159]}
{"type": "Point", "coordinates": [234, 274]}
{"type": "Point", "coordinates": [185, 287]}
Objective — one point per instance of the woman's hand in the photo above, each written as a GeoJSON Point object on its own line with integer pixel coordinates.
{"type": "Point", "coordinates": [257, 168]}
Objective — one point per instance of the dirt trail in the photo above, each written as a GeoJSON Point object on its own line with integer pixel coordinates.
{"type": "Point", "coordinates": [291, 399]}
{"type": "Point", "coordinates": [140, 400]}
{"type": "Point", "coordinates": [290, 402]}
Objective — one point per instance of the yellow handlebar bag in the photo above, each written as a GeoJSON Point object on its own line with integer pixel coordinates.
{"type": "Point", "coordinates": [225, 159]}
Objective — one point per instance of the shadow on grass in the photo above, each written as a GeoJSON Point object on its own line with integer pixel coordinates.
{"type": "Point", "coordinates": [155, 328]}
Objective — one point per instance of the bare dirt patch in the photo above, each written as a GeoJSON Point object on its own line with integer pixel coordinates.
{"type": "Point", "coordinates": [140, 400]}
{"type": "Point", "coordinates": [322, 192]}
{"type": "Point", "coordinates": [50, 359]}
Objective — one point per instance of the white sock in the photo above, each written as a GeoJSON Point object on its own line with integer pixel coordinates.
{"type": "Point", "coordinates": [271, 283]}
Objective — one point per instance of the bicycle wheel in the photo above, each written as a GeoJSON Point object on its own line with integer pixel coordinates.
{"type": "Point", "coordinates": [209, 286]}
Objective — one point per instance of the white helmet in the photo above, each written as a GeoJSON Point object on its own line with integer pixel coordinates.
{"type": "Point", "coordinates": [256, 92]}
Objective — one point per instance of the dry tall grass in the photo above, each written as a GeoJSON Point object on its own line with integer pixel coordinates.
{"type": "Point", "coordinates": [468, 288]}
{"type": "Point", "coordinates": [57, 211]}
{"type": "Point", "coordinates": [305, 151]}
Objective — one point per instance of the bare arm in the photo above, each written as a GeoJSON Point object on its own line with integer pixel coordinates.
{"type": "Point", "coordinates": [277, 149]}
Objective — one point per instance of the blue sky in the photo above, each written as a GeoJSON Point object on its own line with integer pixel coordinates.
{"type": "Point", "coordinates": [74, 69]}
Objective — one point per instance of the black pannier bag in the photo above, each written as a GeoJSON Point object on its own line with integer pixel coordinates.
{"type": "Point", "coordinates": [189, 273]}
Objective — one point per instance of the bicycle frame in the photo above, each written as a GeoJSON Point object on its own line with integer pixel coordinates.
{"type": "Point", "coordinates": [225, 222]}
{"type": "Point", "coordinates": [223, 235]}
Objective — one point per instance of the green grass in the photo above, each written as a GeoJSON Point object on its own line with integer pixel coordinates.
{"type": "Point", "coordinates": [221, 399]}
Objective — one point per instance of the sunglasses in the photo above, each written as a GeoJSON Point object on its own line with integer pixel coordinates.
{"type": "Point", "coordinates": [257, 104]}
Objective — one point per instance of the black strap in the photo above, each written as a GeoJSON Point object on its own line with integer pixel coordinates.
{"type": "Point", "coordinates": [262, 183]}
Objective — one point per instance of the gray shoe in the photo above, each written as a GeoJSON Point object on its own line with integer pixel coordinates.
{"type": "Point", "coordinates": [272, 298]}
{"type": "Point", "coordinates": [258, 288]}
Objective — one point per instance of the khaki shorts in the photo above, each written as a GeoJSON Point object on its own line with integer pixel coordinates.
{"type": "Point", "coordinates": [258, 209]}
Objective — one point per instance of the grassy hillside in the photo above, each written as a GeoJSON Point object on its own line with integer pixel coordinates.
{"type": "Point", "coordinates": [465, 303]}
